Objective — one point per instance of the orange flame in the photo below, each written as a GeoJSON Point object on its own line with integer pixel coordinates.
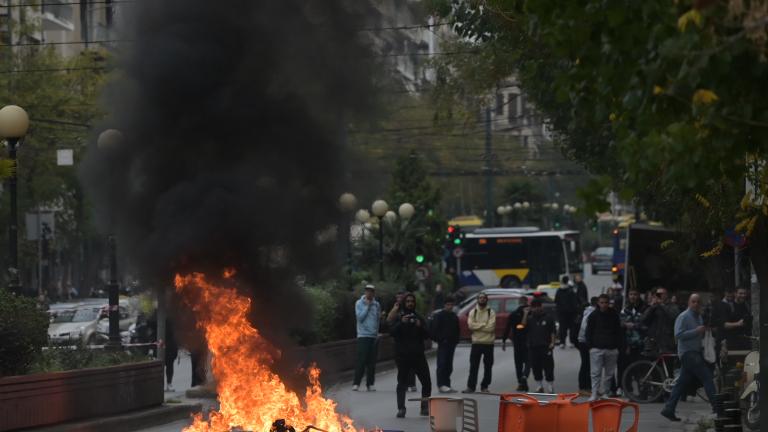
{"type": "Point", "coordinates": [251, 396]}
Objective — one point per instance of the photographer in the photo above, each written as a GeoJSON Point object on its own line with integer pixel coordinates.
{"type": "Point", "coordinates": [394, 315]}
{"type": "Point", "coordinates": [659, 319]}
{"type": "Point", "coordinates": [409, 333]}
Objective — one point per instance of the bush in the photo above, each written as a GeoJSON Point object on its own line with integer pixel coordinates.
{"type": "Point", "coordinates": [59, 359]}
{"type": "Point", "coordinates": [23, 333]}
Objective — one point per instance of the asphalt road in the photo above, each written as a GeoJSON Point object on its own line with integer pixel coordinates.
{"type": "Point", "coordinates": [378, 408]}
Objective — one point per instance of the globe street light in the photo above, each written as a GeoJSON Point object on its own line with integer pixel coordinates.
{"type": "Point", "coordinates": [108, 141]}
{"type": "Point", "coordinates": [347, 204]}
{"type": "Point", "coordinates": [390, 217]}
{"type": "Point", "coordinates": [526, 205]}
{"type": "Point", "coordinates": [406, 211]}
{"type": "Point", "coordinates": [14, 123]}
{"type": "Point", "coordinates": [380, 208]}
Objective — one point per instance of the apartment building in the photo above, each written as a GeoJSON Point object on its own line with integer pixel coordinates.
{"type": "Point", "coordinates": [514, 114]}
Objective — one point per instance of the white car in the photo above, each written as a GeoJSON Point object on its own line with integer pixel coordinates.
{"type": "Point", "coordinates": [87, 324]}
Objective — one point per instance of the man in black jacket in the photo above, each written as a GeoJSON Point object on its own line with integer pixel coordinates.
{"type": "Point", "coordinates": [445, 331]}
{"type": "Point", "coordinates": [567, 305]}
{"type": "Point", "coordinates": [409, 333]}
{"type": "Point", "coordinates": [659, 319]}
{"type": "Point", "coordinates": [518, 333]}
{"type": "Point", "coordinates": [604, 337]}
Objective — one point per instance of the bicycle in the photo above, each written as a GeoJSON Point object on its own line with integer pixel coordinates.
{"type": "Point", "coordinates": [645, 381]}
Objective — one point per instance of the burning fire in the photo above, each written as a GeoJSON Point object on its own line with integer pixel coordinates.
{"type": "Point", "coordinates": [251, 396]}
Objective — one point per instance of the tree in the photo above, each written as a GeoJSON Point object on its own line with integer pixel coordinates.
{"type": "Point", "coordinates": [663, 98]}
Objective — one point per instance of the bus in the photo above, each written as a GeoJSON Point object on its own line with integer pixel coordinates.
{"type": "Point", "coordinates": [514, 257]}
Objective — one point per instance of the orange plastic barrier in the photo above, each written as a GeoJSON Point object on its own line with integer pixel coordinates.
{"type": "Point", "coordinates": [521, 412]}
{"type": "Point", "coordinates": [606, 415]}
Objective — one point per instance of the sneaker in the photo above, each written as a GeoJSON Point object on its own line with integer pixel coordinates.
{"type": "Point", "coordinates": [593, 398]}
{"type": "Point", "coordinates": [412, 389]}
{"type": "Point", "coordinates": [445, 389]}
{"type": "Point", "coordinates": [371, 388]}
{"type": "Point", "coordinates": [484, 390]}
{"type": "Point", "coordinates": [551, 388]}
{"type": "Point", "coordinates": [670, 415]}
{"type": "Point", "coordinates": [539, 390]}
{"type": "Point", "coordinates": [169, 388]}
{"type": "Point", "coordinates": [400, 413]}
{"type": "Point", "coordinates": [468, 390]}
{"type": "Point", "coordinates": [355, 387]}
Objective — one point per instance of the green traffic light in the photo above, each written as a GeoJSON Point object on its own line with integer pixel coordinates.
{"type": "Point", "coordinates": [419, 259]}
{"type": "Point", "coordinates": [457, 241]}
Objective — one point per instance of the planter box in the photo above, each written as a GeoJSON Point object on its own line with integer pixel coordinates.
{"type": "Point", "coordinates": [45, 399]}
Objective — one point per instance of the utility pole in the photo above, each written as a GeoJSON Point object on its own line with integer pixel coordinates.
{"type": "Point", "coordinates": [489, 212]}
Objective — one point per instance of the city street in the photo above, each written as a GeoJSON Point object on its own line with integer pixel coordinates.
{"type": "Point", "coordinates": [378, 409]}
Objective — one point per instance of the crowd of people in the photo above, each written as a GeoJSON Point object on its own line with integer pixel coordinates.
{"type": "Point", "coordinates": [610, 333]}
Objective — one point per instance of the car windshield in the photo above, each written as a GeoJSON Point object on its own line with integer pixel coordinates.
{"type": "Point", "coordinates": [64, 316]}
{"type": "Point", "coordinates": [85, 315]}
{"type": "Point", "coordinates": [604, 251]}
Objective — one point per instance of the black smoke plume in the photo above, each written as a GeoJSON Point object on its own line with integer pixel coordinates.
{"type": "Point", "coordinates": [231, 157]}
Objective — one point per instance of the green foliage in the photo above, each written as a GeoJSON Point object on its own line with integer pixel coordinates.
{"type": "Point", "coordinates": [59, 359]}
{"type": "Point", "coordinates": [23, 333]}
{"type": "Point", "coordinates": [521, 191]}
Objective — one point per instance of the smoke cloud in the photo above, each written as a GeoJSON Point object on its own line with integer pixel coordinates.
{"type": "Point", "coordinates": [231, 157]}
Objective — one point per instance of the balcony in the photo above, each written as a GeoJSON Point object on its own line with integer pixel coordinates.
{"type": "Point", "coordinates": [57, 17]}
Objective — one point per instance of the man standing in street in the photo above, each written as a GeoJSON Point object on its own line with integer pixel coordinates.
{"type": "Point", "coordinates": [541, 342]}
{"type": "Point", "coordinates": [585, 380]}
{"type": "Point", "coordinates": [689, 331]}
{"type": "Point", "coordinates": [604, 338]}
{"type": "Point", "coordinates": [445, 331]}
{"type": "Point", "coordinates": [582, 293]}
{"type": "Point", "coordinates": [394, 315]}
{"type": "Point", "coordinates": [659, 318]}
{"type": "Point", "coordinates": [633, 334]}
{"type": "Point", "coordinates": [518, 333]}
{"type": "Point", "coordinates": [567, 305]}
{"type": "Point", "coordinates": [409, 333]}
{"type": "Point", "coordinates": [738, 325]}
{"type": "Point", "coordinates": [367, 312]}
{"type": "Point", "coordinates": [482, 324]}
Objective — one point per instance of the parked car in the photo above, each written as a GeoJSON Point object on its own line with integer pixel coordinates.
{"type": "Point", "coordinates": [602, 259]}
{"type": "Point", "coordinates": [86, 323]}
{"type": "Point", "coordinates": [503, 304]}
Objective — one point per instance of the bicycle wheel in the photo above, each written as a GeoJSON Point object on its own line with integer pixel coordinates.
{"type": "Point", "coordinates": [643, 382]}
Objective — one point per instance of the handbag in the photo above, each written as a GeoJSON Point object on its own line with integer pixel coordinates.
{"type": "Point", "coordinates": [709, 347]}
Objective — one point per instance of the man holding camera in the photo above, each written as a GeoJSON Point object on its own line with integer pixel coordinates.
{"type": "Point", "coordinates": [409, 333]}
{"type": "Point", "coordinates": [659, 319]}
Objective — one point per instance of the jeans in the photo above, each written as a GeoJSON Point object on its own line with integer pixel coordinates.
{"type": "Point", "coordinates": [445, 353]}
{"type": "Point", "coordinates": [407, 365]}
{"type": "Point", "coordinates": [599, 360]}
{"type": "Point", "coordinates": [585, 382]}
{"type": "Point", "coordinates": [478, 351]}
{"type": "Point", "coordinates": [541, 360]}
{"type": "Point", "coordinates": [366, 361]}
{"type": "Point", "coordinates": [522, 365]}
{"type": "Point", "coordinates": [693, 367]}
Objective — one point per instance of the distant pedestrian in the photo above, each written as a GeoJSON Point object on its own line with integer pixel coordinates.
{"type": "Point", "coordinates": [482, 324]}
{"type": "Point", "coordinates": [445, 331]}
{"type": "Point", "coordinates": [518, 333]}
{"type": "Point", "coordinates": [689, 331]}
{"type": "Point", "coordinates": [605, 338]}
{"type": "Point", "coordinates": [616, 295]}
{"type": "Point", "coordinates": [409, 334]}
{"type": "Point", "coordinates": [582, 293]}
{"type": "Point", "coordinates": [367, 312]}
{"type": "Point", "coordinates": [585, 378]}
{"type": "Point", "coordinates": [566, 306]}
{"type": "Point", "coordinates": [438, 301]}
{"type": "Point", "coordinates": [541, 342]}
{"type": "Point", "coordinates": [634, 333]}
{"type": "Point", "coordinates": [171, 353]}
{"type": "Point", "coordinates": [659, 319]}
{"type": "Point", "coordinates": [394, 315]}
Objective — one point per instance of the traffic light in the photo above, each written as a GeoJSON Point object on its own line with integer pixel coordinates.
{"type": "Point", "coordinates": [420, 258]}
{"type": "Point", "coordinates": [455, 236]}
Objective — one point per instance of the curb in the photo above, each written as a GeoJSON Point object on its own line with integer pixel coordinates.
{"type": "Point", "coordinates": [128, 422]}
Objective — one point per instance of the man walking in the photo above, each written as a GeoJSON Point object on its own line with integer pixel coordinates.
{"type": "Point", "coordinates": [541, 342]}
{"type": "Point", "coordinates": [482, 324]}
{"type": "Point", "coordinates": [445, 331]}
{"type": "Point", "coordinates": [689, 331]}
{"type": "Point", "coordinates": [585, 380]}
{"type": "Point", "coordinates": [604, 338]}
{"type": "Point", "coordinates": [567, 305]}
{"type": "Point", "coordinates": [367, 312]}
{"type": "Point", "coordinates": [518, 333]}
{"type": "Point", "coordinates": [409, 333]}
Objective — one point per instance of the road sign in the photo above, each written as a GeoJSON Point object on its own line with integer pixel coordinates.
{"type": "Point", "coordinates": [422, 273]}
{"type": "Point", "coordinates": [458, 252]}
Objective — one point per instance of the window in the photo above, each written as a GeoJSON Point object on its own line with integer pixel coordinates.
{"type": "Point", "coordinates": [494, 304]}
{"type": "Point", "coordinates": [499, 104]}
{"type": "Point", "coordinates": [511, 305]}
{"type": "Point", "coordinates": [512, 112]}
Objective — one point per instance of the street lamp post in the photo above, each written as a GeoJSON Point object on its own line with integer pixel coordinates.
{"type": "Point", "coordinates": [380, 209]}
{"type": "Point", "coordinates": [109, 139]}
{"type": "Point", "coordinates": [347, 204]}
{"type": "Point", "coordinates": [14, 123]}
